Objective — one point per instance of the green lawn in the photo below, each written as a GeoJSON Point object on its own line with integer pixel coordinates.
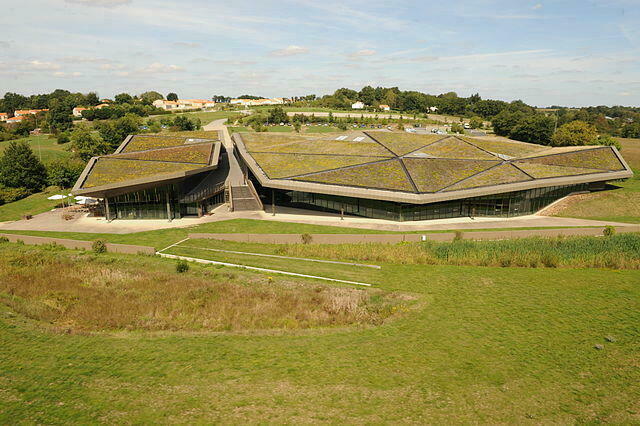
{"type": "Point", "coordinates": [45, 148]}
{"type": "Point", "coordinates": [33, 204]}
{"type": "Point", "coordinates": [480, 345]}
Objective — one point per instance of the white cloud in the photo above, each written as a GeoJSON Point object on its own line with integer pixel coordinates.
{"type": "Point", "coordinates": [186, 44]}
{"type": "Point", "coordinates": [158, 68]}
{"type": "Point", "coordinates": [40, 65]}
{"type": "Point", "coordinates": [363, 52]}
{"type": "Point", "coordinates": [290, 51]}
{"type": "Point", "coordinates": [100, 3]}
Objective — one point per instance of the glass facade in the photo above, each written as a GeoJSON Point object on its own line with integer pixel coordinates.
{"type": "Point", "coordinates": [503, 205]}
{"type": "Point", "coordinates": [187, 198]}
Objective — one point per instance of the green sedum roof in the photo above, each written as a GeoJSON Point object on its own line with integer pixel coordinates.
{"type": "Point", "coordinates": [198, 154]}
{"type": "Point", "coordinates": [423, 164]}
{"type": "Point", "coordinates": [115, 170]}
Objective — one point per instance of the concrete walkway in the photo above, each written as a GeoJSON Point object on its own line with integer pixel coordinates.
{"type": "Point", "coordinates": [53, 221]}
{"type": "Point", "coordinates": [236, 178]}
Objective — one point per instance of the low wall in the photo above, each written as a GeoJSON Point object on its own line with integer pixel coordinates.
{"type": "Point", "coordinates": [78, 244]}
{"type": "Point", "coordinates": [397, 238]}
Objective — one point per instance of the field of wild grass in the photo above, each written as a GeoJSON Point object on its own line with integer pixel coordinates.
{"type": "Point", "coordinates": [620, 251]}
{"type": "Point", "coordinates": [477, 345]}
{"type": "Point", "coordinates": [76, 291]}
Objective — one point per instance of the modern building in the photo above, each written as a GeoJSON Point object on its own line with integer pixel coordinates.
{"type": "Point", "coordinates": [157, 177]}
{"type": "Point", "coordinates": [357, 105]}
{"type": "Point", "coordinates": [403, 176]}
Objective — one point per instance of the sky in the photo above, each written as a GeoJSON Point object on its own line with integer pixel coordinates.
{"type": "Point", "coordinates": [545, 52]}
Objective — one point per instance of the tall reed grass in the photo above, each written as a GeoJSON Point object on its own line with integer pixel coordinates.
{"type": "Point", "coordinates": [614, 252]}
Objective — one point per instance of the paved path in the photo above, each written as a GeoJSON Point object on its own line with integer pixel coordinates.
{"type": "Point", "coordinates": [236, 177]}
{"type": "Point", "coordinates": [53, 221]}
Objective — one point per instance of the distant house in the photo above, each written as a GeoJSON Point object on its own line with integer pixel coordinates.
{"type": "Point", "coordinates": [100, 106]}
{"type": "Point", "coordinates": [183, 104]}
{"type": "Point", "coordinates": [23, 112]}
{"type": "Point", "coordinates": [15, 119]}
{"type": "Point", "coordinates": [4, 116]}
{"type": "Point", "coordinates": [257, 102]}
{"type": "Point", "coordinates": [77, 111]}
{"type": "Point", "coordinates": [433, 109]}
{"type": "Point", "coordinates": [357, 105]}
{"type": "Point", "coordinates": [385, 107]}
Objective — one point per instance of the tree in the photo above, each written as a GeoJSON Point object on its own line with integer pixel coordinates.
{"type": "Point", "coordinates": [631, 130]}
{"type": "Point", "coordinates": [20, 168]}
{"type": "Point", "coordinates": [505, 121]}
{"type": "Point", "coordinates": [64, 173]}
{"type": "Point", "coordinates": [535, 128]}
{"type": "Point", "coordinates": [86, 144]}
{"type": "Point", "coordinates": [114, 132]}
{"type": "Point", "coordinates": [277, 115]}
{"type": "Point", "coordinates": [59, 115]}
{"type": "Point", "coordinates": [184, 123]}
{"type": "Point", "coordinates": [575, 133]}
{"type": "Point", "coordinates": [123, 98]}
{"type": "Point", "coordinates": [172, 97]}
{"type": "Point", "coordinates": [149, 97]}
{"type": "Point", "coordinates": [92, 99]}
{"type": "Point", "coordinates": [476, 122]}
{"type": "Point", "coordinates": [606, 140]}
{"type": "Point", "coordinates": [297, 126]}
{"type": "Point", "coordinates": [367, 95]}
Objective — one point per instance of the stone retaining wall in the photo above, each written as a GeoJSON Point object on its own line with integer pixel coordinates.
{"type": "Point", "coordinates": [78, 244]}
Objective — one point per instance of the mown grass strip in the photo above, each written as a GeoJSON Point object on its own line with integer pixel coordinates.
{"type": "Point", "coordinates": [336, 262]}
{"type": "Point", "coordinates": [255, 268]}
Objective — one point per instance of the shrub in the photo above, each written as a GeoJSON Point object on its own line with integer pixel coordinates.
{"type": "Point", "coordinates": [99, 246]}
{"type": "Point", "coordinates": [4, 240]}
{"type": "Point", "coordinates": [306, 238]}
{"type": "Point", "coordinates": [9, 195]}
{"type": "Point", "coordinates": [459, 235]}
{"type": "Point", "coordinates": [182, 266]}
{"type": "Point", "coordinates": [609, 231]}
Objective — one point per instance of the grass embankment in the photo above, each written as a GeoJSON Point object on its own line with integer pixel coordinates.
{"type": "Point", "coordinates": [482, 345]}
{"type": "Point", "coordinates": [164, 237]}
{"type": "Point", "coordinates": [618, 251]}
{"type": "Point", "coordinates": [621, 204]}
{"type": "Point", "coordinates": [31, 205]}
{"type": "Point", "coordinates": [44, 147]}
{"type": "Point", "coordinates": [80, 291]}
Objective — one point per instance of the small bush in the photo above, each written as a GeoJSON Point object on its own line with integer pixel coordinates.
{"type": "Point", "coordinates": [608, 231]}
{"type": "Point", "coordinates": [4, 240]}
{"type": "Point", "coordinates": [182, 266]}
{"type": "Point", "coordinates": [306, 238]}
{"type": "Point", "coordinates": [459, 235]}
{"type": "Point", "coordinates": [99, 246]}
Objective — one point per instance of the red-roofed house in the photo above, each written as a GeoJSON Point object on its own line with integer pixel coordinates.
{"type": "Point", "coordinates": [77, 111]}
{"type": "Point", "coordinates": [15, 119]}
{"type": "Point", "coordinates": [4, 116]}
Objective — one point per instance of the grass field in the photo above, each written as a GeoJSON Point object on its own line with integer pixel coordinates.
{"type": "Point", "coordinates": [205, 116]}
{"type": "Point", "coordinates": [45, 148]}
{"type": "Point", "coordinates": [33, 204]}
{"type": "Point", "coordinates": [471, 345]}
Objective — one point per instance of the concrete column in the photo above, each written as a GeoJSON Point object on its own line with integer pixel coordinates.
{"type": "Point", "coordinates": [168, 208]}
{"type": "Point", "coordinates": [107, 213]}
